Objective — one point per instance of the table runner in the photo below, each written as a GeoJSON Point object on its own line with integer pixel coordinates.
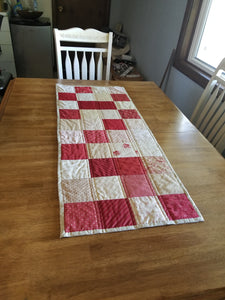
{"type": "Point", "coordinates": [112, 173]}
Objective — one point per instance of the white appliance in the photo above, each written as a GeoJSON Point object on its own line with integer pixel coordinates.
{"type": "Point", "coordinates": [33, 47]}
{"type": "Point", "coordinates": [7, 62]}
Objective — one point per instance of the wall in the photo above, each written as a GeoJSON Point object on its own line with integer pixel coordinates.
{"type": "Point", "coordinates": [115, 11]}
{"type": "Point", "coordinates": [46, 7]}
{"type": "Point", "coordinates": [183, 92]}
{"type": "Point", "coordinates": [153, 27]}
{"type": "Point", "coordinates": [43, 5]}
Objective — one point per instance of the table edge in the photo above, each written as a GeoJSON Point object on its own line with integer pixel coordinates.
{"type": "Point", "coordinates": [6, 97]}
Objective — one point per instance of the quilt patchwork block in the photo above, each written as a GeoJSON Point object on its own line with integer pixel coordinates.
{"type": "Point", "coordinates": [112, 173]}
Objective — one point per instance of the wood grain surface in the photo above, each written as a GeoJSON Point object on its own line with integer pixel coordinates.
{"type": "Point", "coordinates": [175, 262]}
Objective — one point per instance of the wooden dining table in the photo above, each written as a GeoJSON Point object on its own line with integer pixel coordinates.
{"type": "Point", "coordinates": [174, 262]}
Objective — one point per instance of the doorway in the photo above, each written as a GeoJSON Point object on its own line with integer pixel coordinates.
{"type": "Point", "coordinates": [81, 13]}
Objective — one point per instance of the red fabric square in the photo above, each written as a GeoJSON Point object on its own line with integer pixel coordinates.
{"type": "Point", "coordinates": [83, 89]}
{"type": "Point", "coordinates": [102, 167]}
{"type": "Point", "coordinates": [178, 206]}
{"type": "Point", "coordinates": [67, 96]}
{"type": "Point", "coordinates": [137, 186]}
{"type": "Point", "coordinates": [80, 216]}
{"type": "Point", "coordinates": [73, 151]}
{"type": "Point", "coordinates": [120, 97]}
{"type": "Point", "coordinates": [129, 166]}
{"type": "Point", "coordinates": [96, 136]}
{"type": "Point", "coordinates": [116, 213]}
{"type": "Point", "coordinates": [96, 105]}
{"type": "Point", "coordinates": [114, 124]}
{"type": "Point", "coordinates": [107, 105]}
{"type": "Point", "coordinates": [88, 105]}
{"type": "Point", "coordinates": [69, 114]}
{"type": "Point", "coordinates": [129, 114]}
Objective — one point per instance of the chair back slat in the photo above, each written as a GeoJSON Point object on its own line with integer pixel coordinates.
{"type": "Point", "coordinates": [109, 50]}
{"type": "Point", "coordinates": [204, 115]}
{"type": "Point", "coordinates": [215, 115]}
{"type": "Point", "coordinates": [99, 67]}
{"type": "Point", "coordinates": [221, 143]}
{"type": "Point", "coordinates": [201, 102]}
{"type": "Point", "coordinates": [68, 66]}
{"type": "Point", "coordinates": [92, 67]}
{"type": "Point", "coordinates": [84, 66]}
{"type": "Point", "coordinates": [76, 67]}
{"type": "Point", "coordinates": [209, 114]}
{"type": "Point", "coordinates": [217, 131]}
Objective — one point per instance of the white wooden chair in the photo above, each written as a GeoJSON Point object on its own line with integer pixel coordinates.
{"type": "Point", "coordinates": [74, 62]}
{"type": "Point", "coordinates": [209, 114]}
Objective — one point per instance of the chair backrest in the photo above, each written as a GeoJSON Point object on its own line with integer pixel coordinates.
{"type": "Point", "coordinates": [209, 114]}
{"type": "Point", "coordinates": [83, 62]}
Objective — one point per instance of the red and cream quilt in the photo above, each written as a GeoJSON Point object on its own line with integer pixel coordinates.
{"type": "Point", "coordinates": [112, 173]}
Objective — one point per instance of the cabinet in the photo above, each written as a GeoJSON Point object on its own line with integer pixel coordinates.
{"type": "Point", "coordinates": [7, 61]}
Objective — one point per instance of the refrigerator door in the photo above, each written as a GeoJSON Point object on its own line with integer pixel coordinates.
{"type": "Point", "coordinates": [33, 50]}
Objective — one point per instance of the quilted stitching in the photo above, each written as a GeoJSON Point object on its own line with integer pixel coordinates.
{"type": "Point", "coordinates": [112, 173]}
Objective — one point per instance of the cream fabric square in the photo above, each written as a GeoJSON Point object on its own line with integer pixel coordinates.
{"type": "Point", "coordinates": [93, 124]}
{"type": "Point", "coordinates": [61, 88]}
{"type": "Point", "coordinates": [147, 211]}
{"type": "Point", "coordinates": [91, 120]}
{"type": "Point", "coordinates": [72, 137]}
{"type": "Point", "coordinates": [110, 114]}
{"type": "Point", "coordinates": [71, 125]}
{"type": "Point", "coordinates": [156, 164]}
{"type": "Point", "coordinates": [101, 94]}
{"type": "Point", "coordinates": [146, 143]}
{"type": "Point", "coordinates": [125, 105]}
{"type": "Point", "coordinates": [166, 183]}
{"type": "Point", "coordinates": [118, 136]}
{"type": "Point", "coordinates": [98, 150]}
{"type": "Point", "coordinates": [147, 148]}
{"type": "Point", "coordinates": [116, 90]}
{"type": "Point", "coordinates": [122, 150]}
{"type": "Point", "coordinates": [77, 190]}
{"type": "Point", "coordinates": [87, 114]}
{"type": "Point", "coordinates": [68, 104]}
{"type": "Point", "coordinates": [75, 169]}
{"type": "Point", "coordinates": [85, 97]}
{"type": "Point", "coordinates": [135, 124]}
{"type": "Point", "coordinates": [109, 188]}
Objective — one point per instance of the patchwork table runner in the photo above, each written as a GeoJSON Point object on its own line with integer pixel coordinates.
{"type": "Point", "coordinates": [112, 173]}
